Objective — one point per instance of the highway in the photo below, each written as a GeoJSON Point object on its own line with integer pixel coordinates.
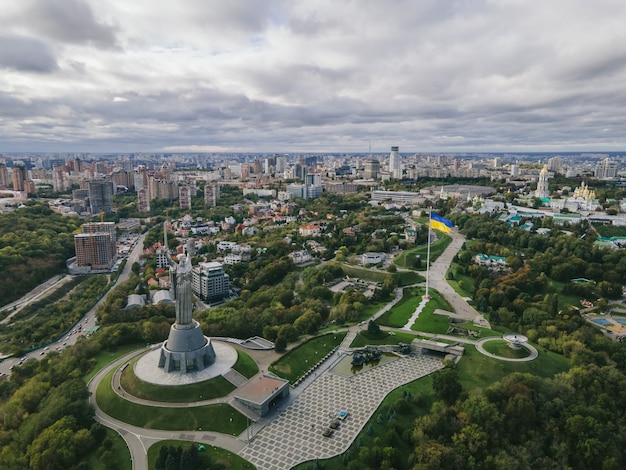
{"type": "Point", "coordinates": [82, 326]}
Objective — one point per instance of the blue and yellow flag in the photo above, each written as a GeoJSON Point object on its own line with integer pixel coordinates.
{"type": "Point", "coordinates": [440, 223]}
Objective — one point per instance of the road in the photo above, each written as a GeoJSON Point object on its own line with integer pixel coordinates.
{"type": "Point", "coordinates": [82, 326]}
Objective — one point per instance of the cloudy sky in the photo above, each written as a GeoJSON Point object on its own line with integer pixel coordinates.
{"type": "Point", "coordinates": [312, 75]}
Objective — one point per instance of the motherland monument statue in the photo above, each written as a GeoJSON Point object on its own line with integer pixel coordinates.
{"type": "Point", "coordinates": [186, 348]}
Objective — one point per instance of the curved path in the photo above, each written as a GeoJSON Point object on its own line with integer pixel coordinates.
{"type": "Point", "coordinates": [531, 349]}
{"type": "Point", "coordinates": [140, 439]}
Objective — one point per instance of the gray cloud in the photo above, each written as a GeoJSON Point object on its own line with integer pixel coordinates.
{"type": "Point", "coordinates": [69, 21]}
{"type": "Point", "coordinates": [325, 75]}
{"type": "Point", "coordinates": [26, 55]}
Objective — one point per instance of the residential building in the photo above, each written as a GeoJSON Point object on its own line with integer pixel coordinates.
{"type": "Point", "coordinates": [100, 196]}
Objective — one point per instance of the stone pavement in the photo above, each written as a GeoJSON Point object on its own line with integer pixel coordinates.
{"type": "Point", "coordinates": [296, 434]}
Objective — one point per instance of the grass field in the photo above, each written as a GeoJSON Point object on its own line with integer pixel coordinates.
{"type": "Point", "coordinates": [298, 361]}
{"type": "Point", "coordinates": [245, 365]}
{"type": "Point", "coordinates": [364, 339]}
{"type": "Point", "coordinates": [210, 457]}
{"type": "Point", "coordinates": [106, 357]}
{"type": "Point", "coordinates": [400, 314]}
{"type": "Point", "coordinates": [429, 322]}
{"type": "Point", "coordinates": [501, 348]}
{"type": "Point", "coordinates": [216, 387]}
{"type": "Point", "coordinates": [477, 371]}
{"type": "Point", "coordinates": [407, 257]}
{"type": "Point", "coordinates": [221, 417]}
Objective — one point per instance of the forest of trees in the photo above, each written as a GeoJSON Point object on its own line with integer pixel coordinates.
{"type": "Point", "coordinates": [34, 246]}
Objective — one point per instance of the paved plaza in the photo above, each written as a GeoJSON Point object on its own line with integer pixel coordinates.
{"type": "Point", "coordinates": [296, 434]}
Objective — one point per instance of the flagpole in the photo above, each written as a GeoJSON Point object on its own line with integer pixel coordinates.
{"type": "Point", "coordinates": [430, 211]}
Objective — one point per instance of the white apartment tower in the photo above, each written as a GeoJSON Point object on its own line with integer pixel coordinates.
{"type": "Point", "coordinates": [606, 169]}
{"type": "Point", "coordinates": [395, 163]}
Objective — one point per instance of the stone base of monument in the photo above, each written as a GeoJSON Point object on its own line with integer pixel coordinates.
{"type": "Point", "coordinates": [186, 349]}
{"type": "Point", "coordinates": [147, 369]}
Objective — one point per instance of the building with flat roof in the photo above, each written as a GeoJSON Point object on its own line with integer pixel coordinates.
{"type": "Point", "coordinates": [262, 393]}
{"type": "Point", "coordinates": [209, 282]}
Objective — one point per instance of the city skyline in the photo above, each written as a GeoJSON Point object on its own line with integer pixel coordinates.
{"type": "Point", "coordinates": [248, 76]}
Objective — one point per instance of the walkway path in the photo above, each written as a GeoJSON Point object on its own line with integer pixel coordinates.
{"type": "Point", "coordinates": [416, 314]}
{"type": "Point", "coordinates": [437, 280]}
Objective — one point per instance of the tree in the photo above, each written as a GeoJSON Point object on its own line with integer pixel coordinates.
{"type": "Point", "coordinates": [372, 328]}
{"type": "Point", "coordinates": [446, 385]}
{"type": "Point", "coordinates": [280, 345]}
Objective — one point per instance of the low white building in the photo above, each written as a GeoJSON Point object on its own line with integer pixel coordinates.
{"type": "Point", "coordinates": [371, 258]}
{"type": "Point", "coordinates": [300, 257]}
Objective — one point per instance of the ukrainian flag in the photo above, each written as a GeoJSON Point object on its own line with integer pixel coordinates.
{"type": "Point", "coordinates": [440, 223]}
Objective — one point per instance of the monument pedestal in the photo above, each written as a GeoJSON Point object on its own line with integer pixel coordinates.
{"type": "Point", "coordinates": [186, 349]}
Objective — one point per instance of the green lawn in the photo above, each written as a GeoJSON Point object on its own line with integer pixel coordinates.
{"type": "Point", "coordinates": [106, 357]}
{"type": "Point", "coordinates": [400, 314]}
{"type": "Point", "coordinates": [501, 348]}
{"type": "Point", "coordinates": [462, 283]}
{"type": "Point", "coordinates": [373, 275]}
{"type": "Point", "coordinates": [406, 258]}
{"type": "Point", "coordinates": [245, 365]}
{"type": "Point", "coordinates": [370, 310]}
{"type": "Point", "coordinates": [298, 361]}
{"type": "Point", "coordinates": [394, 337]}
{"type": "Point", "coordinates": [477, 371]}
{"type": "Point", "coordinates": [211, 456]}
{"type": "Point", "coordinates": [221, 417]}
{"type": "Point", "coordinates": [408, 278]}
{"type": "Point", "coordinates": [216, 387]}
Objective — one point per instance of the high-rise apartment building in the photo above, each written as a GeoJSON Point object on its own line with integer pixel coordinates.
{"type": "Point", "coordinates": [20, 177]}
{"type": "Point", "coordinates": [95, 247]}
{"type": "Point", "coordinates": [395, 163]}
{"type": "Point", "coordinates": [4, 175]}
{"type": "Point", "coordinates": [100, 196]}
{"type": "Point", "coordinates": [209, 282]}
{"type": "Point", "coordinates": [61, 178]}
{"type": "Point", "coordinates": [555, 164]}
{"type": "Point", "coordinates": [211, 193]}
{"type": "Point", "coordinates": [143, 201]}
{"type": "Point", "coordinates": [371, 169]}
{"type": "Point", "coordinates": [184, 198]}
{"type": "Point", "coordinates": [606, 169]}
